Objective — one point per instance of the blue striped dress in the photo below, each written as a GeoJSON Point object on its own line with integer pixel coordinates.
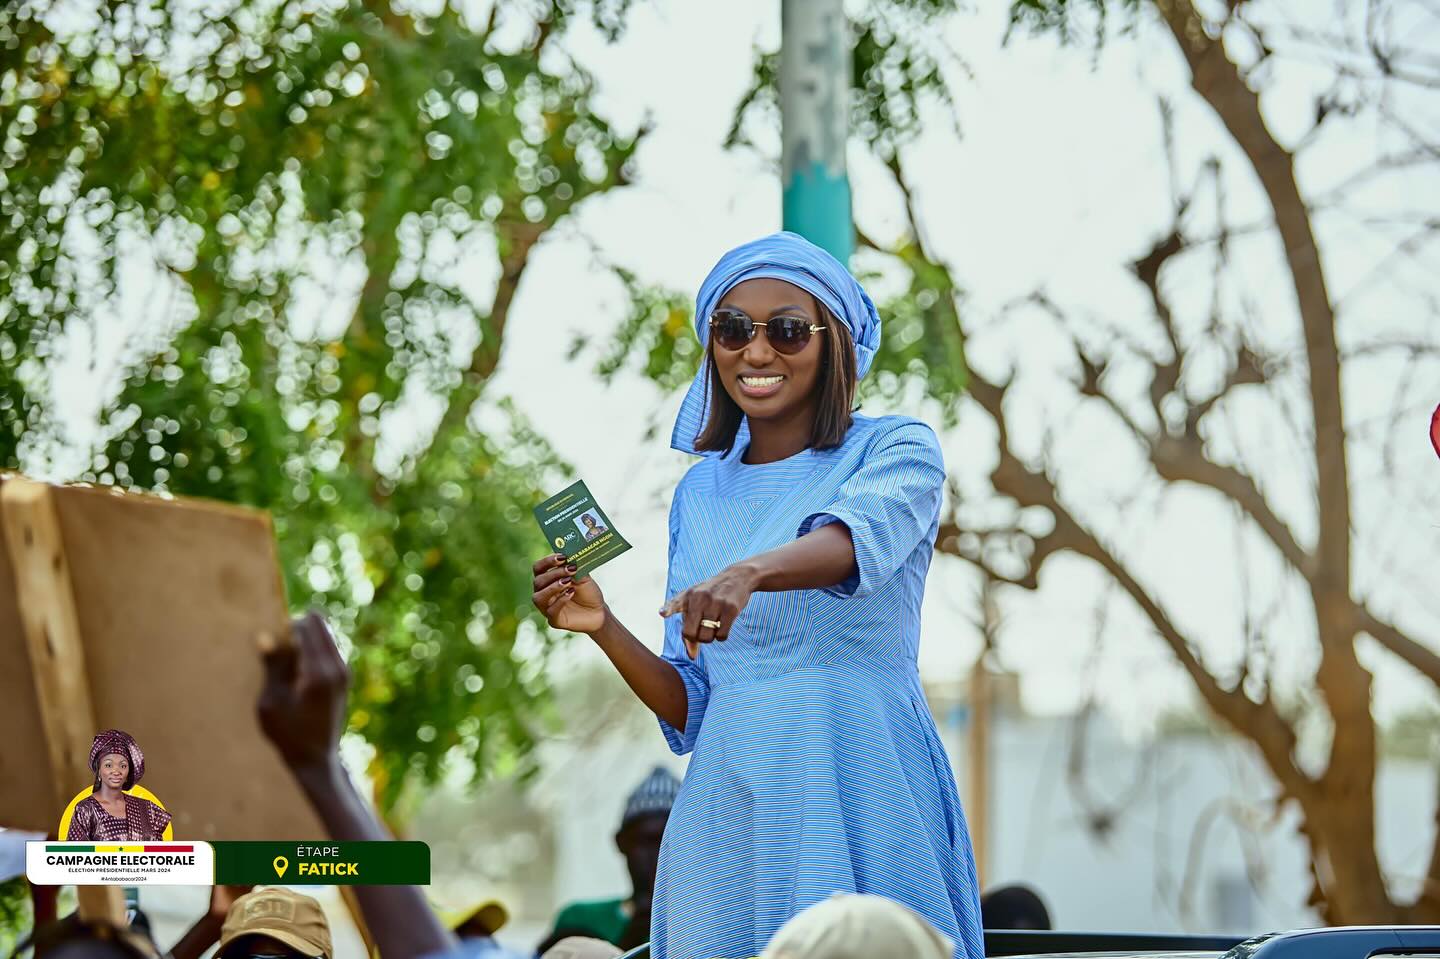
{"type": "Point", "coordinates": [816, 768]}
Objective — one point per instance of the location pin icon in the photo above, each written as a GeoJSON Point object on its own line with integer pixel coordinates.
{"type": "Point", "coordinates": [280, 864]}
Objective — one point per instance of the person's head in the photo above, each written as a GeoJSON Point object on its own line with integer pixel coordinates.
{"type": "Point", "coordinates": [1013, 907]}
{"type": "Point", "coordinates": [777, 355]}
{"type": "Point", "coordinates": [275, 923]}
{"type": "Point", "coordinates": [590, 521]}
{"type": "Point", "coordinates": [116, 760]}
{"type": "Point", "coordinates": [642, 827]}
{"type": "Point", "coordinates": [788, 333]}
{"type": "Point", "coordinates": [560, 935]}
{"type": "Point", "coordinates": [76, 938]}
{"type": "Point", "coordinates": [581, 947]}
{"type": "Point", "coordinates": [858, 927]}
{"type": "Point", "coordinates": [483, 921]}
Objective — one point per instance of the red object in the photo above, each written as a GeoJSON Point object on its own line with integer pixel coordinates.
{"type": "Point", "coordinates": [1435, 430]}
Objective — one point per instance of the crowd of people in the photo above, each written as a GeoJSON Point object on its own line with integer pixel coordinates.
{"type": "Point", "coordinates": [302, 713]}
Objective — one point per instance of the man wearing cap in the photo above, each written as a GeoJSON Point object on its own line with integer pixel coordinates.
{"type": "Point", "coordinates": [626, 921]}
{"type": "Point", "coordinates": [275, 924]}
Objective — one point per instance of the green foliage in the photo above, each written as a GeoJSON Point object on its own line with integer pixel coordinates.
{"type": "Point", "coordinates": [898, 64]}
{"type": "Point", "coordinates": [1071, 20]}
{"type": "Point", "coordinates": [259, 163]}
{"type": "Point", "coordinates": [15, 913]}
{"type": "Point", "coordinates": [658, 331]}
{"type": "Point", "coordinates": [922, 342]}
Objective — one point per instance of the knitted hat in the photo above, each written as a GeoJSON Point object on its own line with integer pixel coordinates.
{"type": "Point", "coordinates": [655, 795]}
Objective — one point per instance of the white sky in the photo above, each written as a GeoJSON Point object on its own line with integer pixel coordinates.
{"type": "Point", "coordinates": [1058, 181]}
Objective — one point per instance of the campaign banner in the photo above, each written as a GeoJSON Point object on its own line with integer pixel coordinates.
{"type": "Point", "coordinates": [112, 864]}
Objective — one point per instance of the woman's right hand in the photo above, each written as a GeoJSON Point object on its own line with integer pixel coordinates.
{"type": "Point", "coordinates": [574, 605]}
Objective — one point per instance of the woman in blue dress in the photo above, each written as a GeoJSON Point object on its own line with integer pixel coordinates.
{"type": "Point", "coordinates": [799, 546]}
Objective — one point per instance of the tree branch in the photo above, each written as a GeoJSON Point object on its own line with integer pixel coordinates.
{"type": "Point", "coordinates": [1260, 721]}
{"type": "Point", "coordinates": [1424, 659]}
{"type": "Point", "coordinates": [1218, 81]}
{"type": "Point", "coordinates": [515, 239]}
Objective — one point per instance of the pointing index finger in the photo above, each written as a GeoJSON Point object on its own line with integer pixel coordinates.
{"type": "Point", "coordinates": [674, 605]}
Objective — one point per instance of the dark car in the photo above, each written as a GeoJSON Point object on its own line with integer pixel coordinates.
{"type": "Point", "coordinates": [1342, 942]}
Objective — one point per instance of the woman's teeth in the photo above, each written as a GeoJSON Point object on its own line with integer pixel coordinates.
{"type": "Point", "coordinates": [761, 381]}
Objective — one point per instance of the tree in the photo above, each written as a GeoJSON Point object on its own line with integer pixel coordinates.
{"type": "Point", "coordinates": [1195, 361]}
{"type": "Point", "coordinates": [294, 196]}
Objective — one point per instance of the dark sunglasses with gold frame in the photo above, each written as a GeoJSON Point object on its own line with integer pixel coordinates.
{"type": "Point", "coordinates": [733, 330]}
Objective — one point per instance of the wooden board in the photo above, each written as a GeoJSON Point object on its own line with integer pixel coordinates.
{"type": "Point", "coordinates": [28, 798]}
{"type": "Point", "coordinates": [169, 595]}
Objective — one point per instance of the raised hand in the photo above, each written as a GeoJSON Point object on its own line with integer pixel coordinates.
{"type": "Point", "coordinates": [567, 603]}
{"type": "Point", "coordinates": [302, 705]}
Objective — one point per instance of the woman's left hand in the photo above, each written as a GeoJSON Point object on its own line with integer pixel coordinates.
{"type": "Point", "coordinates": [719, 599]}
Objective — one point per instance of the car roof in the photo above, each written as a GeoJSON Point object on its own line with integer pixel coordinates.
{"type": "Point", "coordinates": [1123, 955]}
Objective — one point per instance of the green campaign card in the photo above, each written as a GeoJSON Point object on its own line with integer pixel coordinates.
{"type": "Point", "coordinates": [574, 524]}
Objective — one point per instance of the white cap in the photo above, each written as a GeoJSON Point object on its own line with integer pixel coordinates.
{"type": "Point", "coordinates": [580, 947]}
{"type": "Point", "coordinates": [858, 927]}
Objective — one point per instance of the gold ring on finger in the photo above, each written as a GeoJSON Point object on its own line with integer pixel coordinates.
{"type": "Point", "coordinates": [712, 623]}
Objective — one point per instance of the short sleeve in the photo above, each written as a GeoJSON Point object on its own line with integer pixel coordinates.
{"type": "Point", "coordinates": [82, 822]}
{"type": "Point", "coordinates": [692, 672]}
{"type": "Point", "coordinates": [890, 505]}
{"type": "Point", "coordinates": [159, 819]}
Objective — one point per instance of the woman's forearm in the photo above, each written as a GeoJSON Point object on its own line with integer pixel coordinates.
{"type": "Point", "coordinates": [820, 558]}
{"type": "Point", "coordinates": [652, 679]}
{"type": "Point", "coordinates": [399, 917]}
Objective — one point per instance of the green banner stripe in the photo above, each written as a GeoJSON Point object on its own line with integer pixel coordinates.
{"type": "Point", "coordinates": [322, 863]}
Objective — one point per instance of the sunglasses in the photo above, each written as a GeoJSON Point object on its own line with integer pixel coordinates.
{"type": "Point", "coordinates": [733, 330]}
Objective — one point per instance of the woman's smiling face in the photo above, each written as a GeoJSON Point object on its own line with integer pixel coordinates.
{"type": "Point", "coordinates": [114, 770]}
{"type": "Point", "coordinates": [764, 383]}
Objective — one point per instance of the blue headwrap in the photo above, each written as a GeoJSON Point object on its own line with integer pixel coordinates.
{"type": "Point", "coordinates": [797, 261]}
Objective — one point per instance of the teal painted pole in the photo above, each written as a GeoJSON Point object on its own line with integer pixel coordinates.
{"type": "Point", "coordinates": [815, 70]}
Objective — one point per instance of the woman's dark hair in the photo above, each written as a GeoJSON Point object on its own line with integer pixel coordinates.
{"type": "Point", "coordinates": [129, 772]}
{"type": "Point", "coordinates": [835, 386]}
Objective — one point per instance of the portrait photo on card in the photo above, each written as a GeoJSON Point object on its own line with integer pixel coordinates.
{"type": "Point", "coordinates": [591, 524]}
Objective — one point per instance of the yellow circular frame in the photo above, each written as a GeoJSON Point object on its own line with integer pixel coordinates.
{"type": "Point", "coordinates": [139, 792]}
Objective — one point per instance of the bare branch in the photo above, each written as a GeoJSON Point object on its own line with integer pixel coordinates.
{"type": "Point", "coordinates": [1166, 373]}
{"type": "Point", "coordinates": [1218, 81]}
{"type": "Point", "coordinates": [1260, 721]}
{"type": "Point", "coordinates": [1412, 651]}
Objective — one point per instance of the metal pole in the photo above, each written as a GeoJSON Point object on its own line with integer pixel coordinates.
{"type": "Point", "coordinates": [815, 66]}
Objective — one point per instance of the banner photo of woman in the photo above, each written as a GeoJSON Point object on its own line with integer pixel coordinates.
{"type": "Point", "coordinates": [115, 808]}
